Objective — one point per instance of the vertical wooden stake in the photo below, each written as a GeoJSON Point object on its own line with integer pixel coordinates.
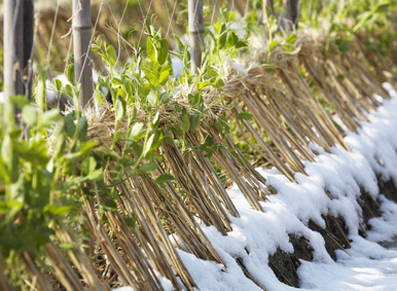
{"type": "Point", "coordinates": [196, 33]}
{"type": "Point", "coordinates": [292, 13]}
{"type": "Point", "coordinates": [13, 48]}
{"type": "Point", "coordinates": [82, 49]}
{"type": "Point", "coordinates": [28, 24]}
{"type": "Point", "coordinates": [265, 17]}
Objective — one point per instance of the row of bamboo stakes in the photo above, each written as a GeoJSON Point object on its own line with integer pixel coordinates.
{"type": "Point", "coordinates": [18, 43]}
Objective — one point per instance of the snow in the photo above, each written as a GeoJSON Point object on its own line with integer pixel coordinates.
{"type": "Point", "coordinates": [365, 266]}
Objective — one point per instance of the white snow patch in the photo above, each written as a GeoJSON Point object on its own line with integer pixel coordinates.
{"type": "Point", "coordinates": [255, 235]}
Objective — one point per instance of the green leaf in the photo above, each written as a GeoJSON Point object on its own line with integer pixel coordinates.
{"type": "Point", "coordinates": [291, 39]}
{"type": "Point", "coordinates": [222, 124]}
{"type": "Point", "coordinates": [194, 120]}
{"type": "Point", "coordinates": [50, 117]}
{"type": "Point", "coordinates": [19, 101]}
{"type": "Point", "coordinates": [185, 121]}
{"type": "Point", "coordinates": [149, 145]}
{"type": "Point", "coordinates": [148, 167]}
{"type": "Point", "coordinates": [88, 165]}
{"type": "Point", "coordinates": [241, 44]}
{"type": "Point", "coordinates": [272, 45]}
{"type": "Point", "coordinates": [95, 175]}
{"type": "Point", "coordinates": [244, 116]}
{"type": "Point", "coordinates": [30, 115]}
{"type": "Point", "coordinates": [71, 75]}
{"type": "Point", "coordinates": [111, 55]}
{"type": "Point", "coordinates": [134, 114]}
{"type": "Point", "coordinates": [177, 130]}
{"type": "Point", "coordinates": [137, 132]}
{"type": "Point", "coordinates": [165, 97]}
{"type": "Point", "coordinates": [152, 97]}
{"type": "Point", "coordinates": [153, 143]}
{"type": "Point", "coordinates": [40, 92]}
{"type": "Point", "coordinates": [169, 140]}
{"type": "Point", "coordinates": [83, 127]}
{"type": "Point", "coordinates": [222, 37]}
{"type": "Point", "coordinates": [218, 83]}
{"type": "Point", "coordinates": [138, 148]}
{"type": "Point", "coordinates": [7, 150]}
{"type": "Point", "coordinates": [69, 90]}
{"type": "Point", "coordinates": [131, 222]}
{"type": "Point", "coordinates": [195, 100]}
{"type": "Point", "coordinates": [67, 247]}
{"type": "Point", "coordinates": [98, 43]}
{"type": "Point", "coordinates": [164, 178]}
{"type": "Point", "coordinates": [54, 209]}
{"type": "Point", "coordinates": [119, 135]}
{"type": "Point", "coordinates": [57, 84]}
{"type": "Point", "coordinates": [70, 126]}
{"type": "Point", "coordinates": [156, 119]}
{"type": "Point", "coordinates": [110, 204]}
{"type": "Point", "coordinates": [151, 50]}
{"type": "Point", "coordinates": [88, 145]}
{"type": "Point", "coordinates": [120, 108]}
{"type": "Point", "coordinates": [165, 73]}
{"type": "Point", "coordinates": [232, 39]}
{"type": "Point", "coordinates": [163, 52]}
{"type": "Point", "coordinates": [382, 7]}
{"type": "Point", "coordinates": [201, 85]}
{"type": "Point", "coordinates": [3, 207]}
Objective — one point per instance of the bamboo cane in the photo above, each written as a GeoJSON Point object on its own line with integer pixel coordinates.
{"type": "Point", "coordinates": [28, 42]}
{"type": "Point", "coordinates": [265, 16]}
{"type": "Point", "coordinates": [196, 33]}
{"type": "Point", "coordinates": [13, 48]}
{"type": "Point", "coordinates": [292, 12]}
{"type": "Point", "coordinates": [82, 49]}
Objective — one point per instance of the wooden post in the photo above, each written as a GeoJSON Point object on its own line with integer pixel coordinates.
{"type": "Point", "coordinates": [82, 49]}
{"type": "Point", "coordinates": [292, 13]}
{"type": "Point", "coordinates": [28, 24]}
{"type": "Point", "coordinates": [196, 33]}
{"type": "Point", "coordinates": [13, 48]}
{"type": "Point", "coordinates": [265, 17]}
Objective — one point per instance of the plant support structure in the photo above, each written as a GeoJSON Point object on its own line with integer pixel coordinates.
{"type": "Point", "coordinates": [196, 33]}
{"type": "Point", "coordinates": [13, 48]}
{"type": "Point", "coordinates": [82, 49]}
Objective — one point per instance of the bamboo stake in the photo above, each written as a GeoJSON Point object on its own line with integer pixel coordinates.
{"type": "Point", "coordinates": [13, 48]}
{"type": "Point", "coordinates": [62, 269]}
{"type": "Point", "coordinates": [82, 49]}
{"type": "Point", "coordinates": [196, 33]}
{"type": "Point", "coordinates": [265, 16]}
{"type": "Point", "coordinates": [292, 12]}
{"type": "Point", "coordinates": [28, 42]}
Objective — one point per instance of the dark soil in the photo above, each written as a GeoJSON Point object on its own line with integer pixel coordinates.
{"type": "Point", "coordinates": [285, 265]}
{"type": "Point", "coordinates": [371, 208]}
{"type": "Point", "coordinates": [334, 234]}
{"type": "Point", "coordinates": [388, 189]}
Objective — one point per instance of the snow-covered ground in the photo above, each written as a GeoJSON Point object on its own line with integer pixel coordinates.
{"type": "Point", "coordinates": [365, 266]}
